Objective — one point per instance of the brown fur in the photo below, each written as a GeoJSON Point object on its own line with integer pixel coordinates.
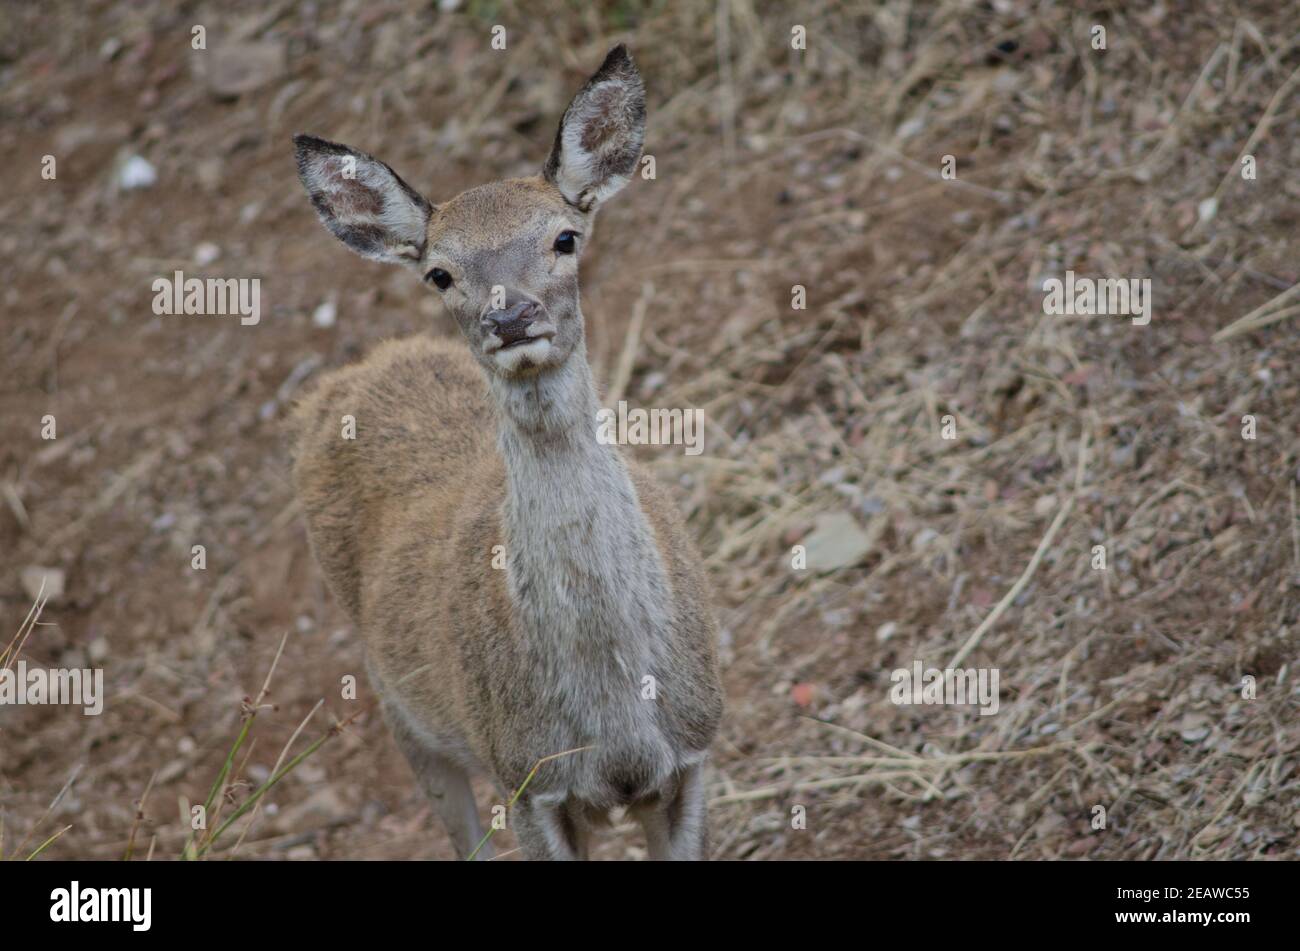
{"type": "Point", "coordinates": [404, 520]}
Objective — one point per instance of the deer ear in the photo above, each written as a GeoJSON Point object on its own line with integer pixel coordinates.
{"type": "Point", "coordinates": [599, 139]}
{"type": "Point", "coordinates": [362, 201]}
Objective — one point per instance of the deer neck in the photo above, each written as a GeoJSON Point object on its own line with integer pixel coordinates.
{"type": "Point", "coordinates": [582, 560]}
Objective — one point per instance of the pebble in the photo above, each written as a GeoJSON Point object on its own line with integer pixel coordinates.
{"type": "Point", "coordinates": [136, 172]}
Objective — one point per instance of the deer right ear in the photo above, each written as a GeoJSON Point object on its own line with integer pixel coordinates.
{"type": "Point", "coordinates": [363, 202]}
{"type": "Point", "coordinates": [599, 139]}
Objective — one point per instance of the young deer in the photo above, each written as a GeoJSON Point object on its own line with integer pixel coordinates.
{"type": "Point", "coordinates": [486, 669]}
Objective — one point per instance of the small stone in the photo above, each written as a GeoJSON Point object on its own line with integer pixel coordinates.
{"type": "Point", "coordinates": [911, 127]}
{"type": "Point", "coordinates": [325, 315]}
{"type": "Point", "coordinates": [652, 381]}
{"type": "Point", "coordinates": [836, 542]}
{"type": "Point", "coordinates": [1194, 727]}
{"type": "Point", "coordinates": [136, 172]}
{"type": "Point", "coordinates": [53, 579]}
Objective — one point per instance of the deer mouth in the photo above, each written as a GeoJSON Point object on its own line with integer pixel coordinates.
{"type": "Point", "coordinates": [525, 341]}
{"type": "Point", "coordinates": [512, 337]}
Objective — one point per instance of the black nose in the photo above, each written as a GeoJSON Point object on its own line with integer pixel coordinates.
{"type": "Point", "coordinates": [511, 324]}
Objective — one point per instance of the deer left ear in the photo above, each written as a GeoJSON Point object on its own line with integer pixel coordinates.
{"type": "Point", "coordinates": [600, 137]}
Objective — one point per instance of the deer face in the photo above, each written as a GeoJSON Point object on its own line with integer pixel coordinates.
{"type": "Point", "coordinates": [503, 256]}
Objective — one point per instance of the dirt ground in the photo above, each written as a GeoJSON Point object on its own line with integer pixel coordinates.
{"type": "Point", "coordinates": [774, 167]}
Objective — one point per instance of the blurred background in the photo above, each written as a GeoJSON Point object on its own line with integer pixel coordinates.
{"type": "Point", "coordinates": [774, 167]}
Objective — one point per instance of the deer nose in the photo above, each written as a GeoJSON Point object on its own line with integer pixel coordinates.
{"type": "Point", "coordinates": [511, 324]}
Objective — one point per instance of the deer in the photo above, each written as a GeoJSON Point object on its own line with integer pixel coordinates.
{"type": "Point", "coordinates": [525, 594]}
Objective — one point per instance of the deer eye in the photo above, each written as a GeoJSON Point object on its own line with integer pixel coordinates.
{"type": "Point", "coordinates": [439, 277]}
{"type": "Point", "coordinates": [567, 242]}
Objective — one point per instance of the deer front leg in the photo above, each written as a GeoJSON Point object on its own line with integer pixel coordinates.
{"type": "Point", "coordinates": [447, 785]}
{"type": "Point", "coordinates": [677, 825]}
{"type": "Point", "coordinates": [549, 831]}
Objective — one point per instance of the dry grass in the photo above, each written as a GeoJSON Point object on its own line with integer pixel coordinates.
{"type": "Point", "coordinates": [774, 168]}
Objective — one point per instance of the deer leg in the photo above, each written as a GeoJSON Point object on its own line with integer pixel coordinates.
{"type": "Point", "coordinates": [447, 785]}
{"type": "Point", "coordinates": [676, 825]}
{"type": "Point", "coordinates": [581, 833]}
{"type": "Point", "coordinates": [549, 831]}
